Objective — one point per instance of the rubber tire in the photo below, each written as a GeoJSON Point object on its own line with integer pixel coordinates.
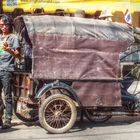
{"type": "Point", "coordinates": [42, 109]}
{"type": "Point", "coordinates": [91, 118]}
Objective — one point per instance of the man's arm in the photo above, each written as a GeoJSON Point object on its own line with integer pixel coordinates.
{"type": "Point", "coordinates": [15, 53]}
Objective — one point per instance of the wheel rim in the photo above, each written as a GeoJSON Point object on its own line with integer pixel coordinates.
{"type": "Point", "coordinates": [58, 113]}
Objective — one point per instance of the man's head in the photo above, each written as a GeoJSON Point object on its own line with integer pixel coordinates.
{"type": "Point", "coordinates": [6, 24]}
{"type": "Point", "coordinates": [106, 15]}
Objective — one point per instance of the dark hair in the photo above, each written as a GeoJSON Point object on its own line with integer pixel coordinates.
{"type": "Point", "coordinates": [7, 20]}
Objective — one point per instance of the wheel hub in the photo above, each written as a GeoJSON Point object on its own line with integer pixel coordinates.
{"type": "Point", "coordinates": [57, 114]}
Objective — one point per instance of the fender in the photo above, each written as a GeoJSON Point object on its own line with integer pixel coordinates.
{"type": "Point", "coordinates": [55, 85]}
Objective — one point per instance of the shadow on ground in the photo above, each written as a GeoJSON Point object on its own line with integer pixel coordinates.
{"type": "Point", "coordinates": [84, 124]}
{"type": "Point", "coordinates": [114, 121]}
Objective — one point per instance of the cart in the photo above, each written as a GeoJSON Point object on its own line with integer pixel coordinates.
{"type": "Point", "coordinates": [77, 65]}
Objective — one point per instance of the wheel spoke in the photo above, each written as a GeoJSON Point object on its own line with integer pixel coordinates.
{"type": "Point", "coordinates": [58, 113]}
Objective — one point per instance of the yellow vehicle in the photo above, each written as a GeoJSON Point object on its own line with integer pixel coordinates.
{"type": "Point", "coordinates": [70, 6]}
{"type": "Point", "coordinates": [91, 6]}
{"type": "Point", "coordinates": [87, 8]}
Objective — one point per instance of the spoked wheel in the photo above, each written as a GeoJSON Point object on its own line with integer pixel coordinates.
{"type": "Point", "coordinates": [25, 112]}
{"type": "Point", "coordinates": [89, 113]}
{"type": "Point", "coordinates": [57, 113]}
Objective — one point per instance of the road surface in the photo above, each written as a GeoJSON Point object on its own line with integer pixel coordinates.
{"type": "Point", "coordinates": [117, 128]}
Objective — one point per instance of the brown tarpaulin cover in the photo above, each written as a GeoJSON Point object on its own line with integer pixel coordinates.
{"type": "Point", "coordinates": [71, 48]}
{"type": "Point", "coordinates": [76, 48]}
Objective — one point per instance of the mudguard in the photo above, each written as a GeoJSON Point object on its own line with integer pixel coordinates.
{"type": "Point", "coordinates": [59, 85]}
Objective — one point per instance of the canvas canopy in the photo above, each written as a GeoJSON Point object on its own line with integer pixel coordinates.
{"type": "Point", "coordinates": [76, 48]}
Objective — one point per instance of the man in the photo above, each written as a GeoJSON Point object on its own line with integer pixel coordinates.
{"type": "Point", "coordinates": [9, 50]}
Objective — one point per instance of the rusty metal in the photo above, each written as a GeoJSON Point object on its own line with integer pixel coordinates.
{"type": "Point", "coordinates": [25, 105]}
{"type": "Point", "coordinates": [26, 110]}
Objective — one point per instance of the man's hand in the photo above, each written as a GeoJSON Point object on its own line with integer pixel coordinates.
{"type": "Point", "coordinates": [15, 53]}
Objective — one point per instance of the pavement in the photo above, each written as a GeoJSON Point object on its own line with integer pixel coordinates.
{"type": "Point", "coordinates": [117, 128]}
